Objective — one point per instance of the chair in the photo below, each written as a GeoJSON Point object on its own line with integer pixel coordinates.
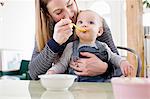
{"type": "Point", "coordinates": [138, 59]}
{"type": "Point", "coordinates": [0, 73]}
{"type": "Point", "coordinates": [21, 74]}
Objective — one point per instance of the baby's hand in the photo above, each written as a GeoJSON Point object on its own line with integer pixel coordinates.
{"type": "Point", "coordinates": [127, 69]}
{"type": "Point", "coordinates": [51, 72]}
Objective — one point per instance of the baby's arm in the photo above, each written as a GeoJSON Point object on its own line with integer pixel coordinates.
{"type": "Point", "coordinates": [62, 65]}
{"type": "Point", "coordinates": [126, 68]}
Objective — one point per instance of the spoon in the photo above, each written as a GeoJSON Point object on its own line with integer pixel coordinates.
{"type": "Point", "coordinates": [78, 28]}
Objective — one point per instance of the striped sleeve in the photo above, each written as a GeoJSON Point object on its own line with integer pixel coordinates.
{"type": "Point", "coordinates": [62, 65]}
{"type": "Point", "coordinates": [41, 61]}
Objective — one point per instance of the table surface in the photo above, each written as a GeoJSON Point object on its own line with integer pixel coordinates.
{"type": "Point", "coordinates": [23, 89]}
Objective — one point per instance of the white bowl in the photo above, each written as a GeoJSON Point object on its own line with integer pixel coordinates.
{"type": "Point", "coordinates": [131, 88]}
{"type": "Point", "coordinates": [57, 81]}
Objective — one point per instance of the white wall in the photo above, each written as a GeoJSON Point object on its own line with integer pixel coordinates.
{"type": "Point", "coordinates": [17, 26]}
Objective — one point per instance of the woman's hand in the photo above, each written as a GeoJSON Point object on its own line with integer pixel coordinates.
{"type": "Point", "coordinates": [62, 31]}
{"type": "Point", "coordinates": [91, 66]}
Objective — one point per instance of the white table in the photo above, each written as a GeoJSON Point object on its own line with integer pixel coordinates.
{"type": "Point", "coordinates": [21, 89]}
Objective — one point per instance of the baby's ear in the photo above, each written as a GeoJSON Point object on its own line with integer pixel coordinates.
{"type": "Point", "coordinates": [100, 32]}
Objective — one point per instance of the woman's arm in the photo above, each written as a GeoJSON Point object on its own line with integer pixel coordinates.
{"type": "Point", "coordinates": [42, 61]}
{"type": "Point", "coordinates": [62, 65]}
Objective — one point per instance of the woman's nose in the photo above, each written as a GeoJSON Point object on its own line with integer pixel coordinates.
{"type": "Point", "coordinates": [67, 13]}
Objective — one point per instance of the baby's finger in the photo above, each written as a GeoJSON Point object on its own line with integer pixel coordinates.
{"type": "Point", "coordinates": [130, 70]}
{"type": "Point", "coordinates": [77, 68]}
{"type": "Point", "coordinates": [73, 65]}
{"type": "Point", "coordinates": [80, 73]}
{"type": "Point", "coordinates": [126, 71]}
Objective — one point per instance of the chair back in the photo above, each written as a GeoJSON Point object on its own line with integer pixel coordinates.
{"type": "Point", "coordinates": [0, 73]}
{"type": "Point", "coordinates": [24, 67]}
{"type": "Point", "coordinates": [138, 59]}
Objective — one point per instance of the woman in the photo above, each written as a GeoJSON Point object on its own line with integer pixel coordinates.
{"type": "Point", "coordinates": [54, 31]}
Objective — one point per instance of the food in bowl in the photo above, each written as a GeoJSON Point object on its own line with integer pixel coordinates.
{"type": "Point", "coordinates": [131, 88]}
{"type": "Point", "coordinates": [57, 81]}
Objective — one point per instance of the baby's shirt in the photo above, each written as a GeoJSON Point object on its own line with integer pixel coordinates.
{"type": "Point", "coordinates": [62, 65]}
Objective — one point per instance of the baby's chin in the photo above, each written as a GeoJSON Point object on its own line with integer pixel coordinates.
{"type": "Point", "coordinates": [86, 40]}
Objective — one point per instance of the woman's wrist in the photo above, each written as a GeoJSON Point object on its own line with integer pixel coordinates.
{"type": "Point", "coordinates": [58, 42]}
{"type": "Point", "coordinates": [54, 46]}
{"type": "Point", "coordinates": [105, 66]}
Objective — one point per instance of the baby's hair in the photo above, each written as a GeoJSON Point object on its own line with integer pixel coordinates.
{"type": "Point", "coordinates": [101, 18]}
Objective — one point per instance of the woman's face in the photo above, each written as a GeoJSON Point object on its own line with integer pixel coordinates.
{"type": "Point", "coordinates": [61, 9]}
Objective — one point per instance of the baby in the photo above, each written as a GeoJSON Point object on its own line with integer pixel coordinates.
{"type": "Point", "coordinates": [93, 24]}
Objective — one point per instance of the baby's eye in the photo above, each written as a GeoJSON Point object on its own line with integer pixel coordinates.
{"type": "Point", "coordinates": [80, 22]}
{"type": "Point", "coordinates": [91, 22]}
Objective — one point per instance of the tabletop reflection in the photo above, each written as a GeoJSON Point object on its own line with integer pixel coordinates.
{"type": "Point", "coordinates": [21, 89]}
{"type": "Point", "coordinates": [57, 95]}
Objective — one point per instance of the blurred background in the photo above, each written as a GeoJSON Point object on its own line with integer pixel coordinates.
{"type": "Point", "coordinates": [17, 27]}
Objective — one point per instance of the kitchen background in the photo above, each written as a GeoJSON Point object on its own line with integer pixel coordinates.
{"type": "Point", "coordinates": [17, 27]}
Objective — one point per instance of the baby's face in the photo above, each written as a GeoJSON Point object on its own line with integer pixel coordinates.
{"type": "Point", "coordinates": [92, 23]}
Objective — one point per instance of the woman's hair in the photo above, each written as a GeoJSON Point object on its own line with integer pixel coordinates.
{"type": "Point", "coordinates": [44, 24]}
